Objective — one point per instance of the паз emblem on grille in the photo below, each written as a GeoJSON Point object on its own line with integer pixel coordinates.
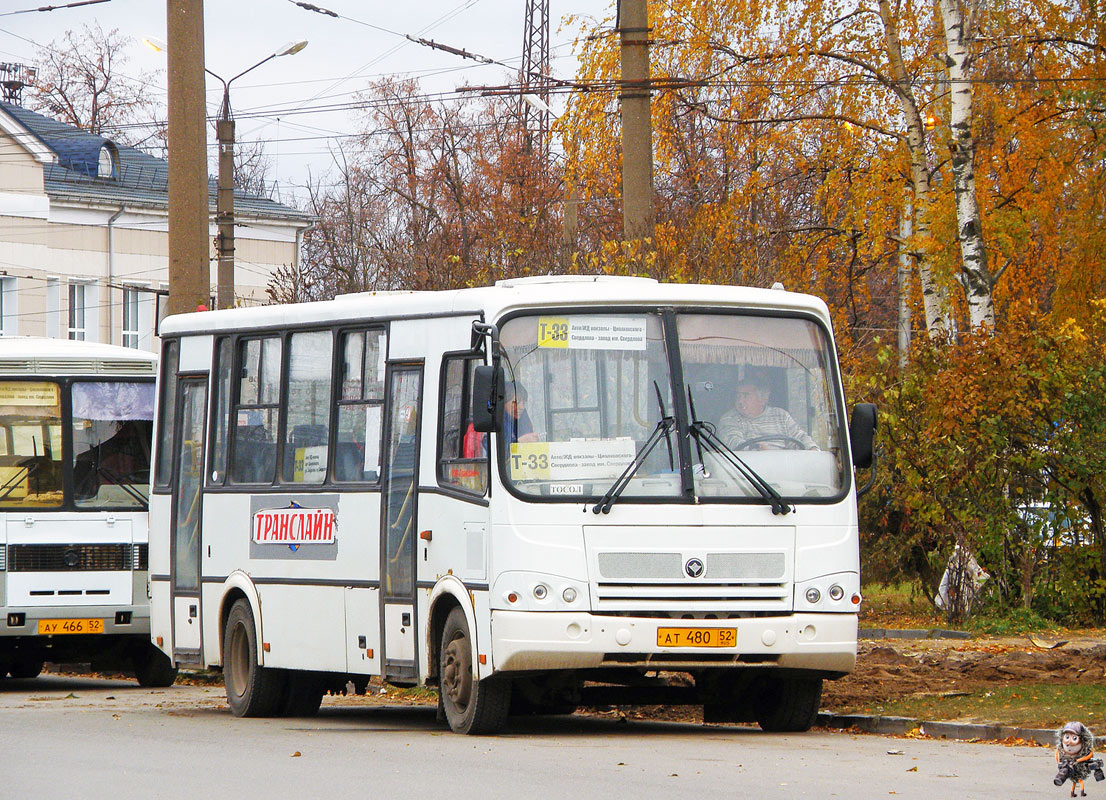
{"type": "Point", "coordinates": [71, 558]}
{"type": "Point", "coordinates": [693, 567]}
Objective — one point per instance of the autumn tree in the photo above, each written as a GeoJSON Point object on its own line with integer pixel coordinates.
{"type": "Point", "coordinates": [83, 80]}
{"type": "Point", "coordinates": [430, 196]}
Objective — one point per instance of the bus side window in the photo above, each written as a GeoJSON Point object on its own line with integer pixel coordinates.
{"type": "Point", "coordinates": [255, 415]}
{"type": "Point", "coordinates": [360, 401]}
{"type": "Point", "coordinates": [308, 407]}
{"type": "Point", "coordinates": [462, 451]}
{"type": "Point", "coordinates": [220, 412]}
{"type": "Point", "coordinates": [167, 414]}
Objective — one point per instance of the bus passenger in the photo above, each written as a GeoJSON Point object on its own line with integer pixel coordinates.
{"type": "Point", "coordinates": [753, 419]}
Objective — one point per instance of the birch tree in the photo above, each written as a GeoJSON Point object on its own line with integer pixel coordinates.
{"type": "Point", "coordinates": [977, 280]}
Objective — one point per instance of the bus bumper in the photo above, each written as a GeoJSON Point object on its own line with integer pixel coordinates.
{"type": "Point", "coordinates": [524, 640]}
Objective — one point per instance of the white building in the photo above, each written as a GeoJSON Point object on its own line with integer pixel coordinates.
{"type": "Point", "coordinates": [84, 235]}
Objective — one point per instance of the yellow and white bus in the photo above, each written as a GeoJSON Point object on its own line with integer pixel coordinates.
{"type": "Point", "coordinates": [532, 495]}
{"type": "Point", "coordinates": [76, 424]}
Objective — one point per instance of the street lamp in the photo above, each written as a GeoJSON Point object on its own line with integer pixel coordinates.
{"type": "Point", "coordinates": [224, 203]}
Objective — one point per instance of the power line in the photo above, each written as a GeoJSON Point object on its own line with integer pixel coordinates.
{"type": "Point", "coordinates": [54, 8]}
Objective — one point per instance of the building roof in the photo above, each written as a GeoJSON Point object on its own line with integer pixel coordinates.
{"type": "Point", "coordinates": [140, 179]}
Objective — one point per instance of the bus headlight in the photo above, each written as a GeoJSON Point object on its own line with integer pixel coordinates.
{"type": "Point", "coordinates": [569, 595]}
{"type": "Point", "coordinates": [541, 591]}
{"type": "Point", "coordinates": [813, 595]}
{"type": "Point", "coordinates": [836, 592]}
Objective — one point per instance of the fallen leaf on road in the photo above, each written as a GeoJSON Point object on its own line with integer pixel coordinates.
{"type": "Point", "coordinates": [894, 752]}
{"type": "Point", "coordinates": [912, 769]}
{"type": "Point", "coordinates": [296, 754]}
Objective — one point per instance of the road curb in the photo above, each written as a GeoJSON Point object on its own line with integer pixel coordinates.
{"type": "Point", "coordinates": [913, 633]}
{"type": "Point", "coordinates": [897, 726]}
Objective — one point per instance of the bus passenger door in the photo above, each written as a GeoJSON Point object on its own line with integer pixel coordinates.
{"type": "Point", "coordinates": [187, 489]}
{"type": "Point", "coordinates": [399, 511]}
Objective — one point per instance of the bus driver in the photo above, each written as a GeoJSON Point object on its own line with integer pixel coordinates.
{"type": "Point", "coordinates": [753, 419]}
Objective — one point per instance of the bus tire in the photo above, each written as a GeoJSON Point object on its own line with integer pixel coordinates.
{"type": "Point", "coordinates": [252, 690]}
{"type": "Point", "coordinates": [153, 668]}
{"type": "Point", "coordinates": [25, 668]}
{"type": "Point", "coordinates": [471, 706]}
{"type": "Point", "coordinates": [303, 695]}
{"type": "Point", "coordinates": [788, 705]}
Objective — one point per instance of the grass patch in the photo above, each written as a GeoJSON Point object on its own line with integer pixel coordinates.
{"type": "Point", "coordinates": [1014, 622]}
{"type": "Point", "coordinates": [1027, 705]}
{"type": "Point", "coordinates": [898, 605]}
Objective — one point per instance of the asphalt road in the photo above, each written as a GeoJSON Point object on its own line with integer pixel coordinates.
{"type": "Point", "coordinates": [80, 737]}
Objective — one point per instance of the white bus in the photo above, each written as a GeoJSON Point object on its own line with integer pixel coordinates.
{"type": "Point", "coordinates": [529, 495]}
{"type": "Point", "coordinates": [76, 424]}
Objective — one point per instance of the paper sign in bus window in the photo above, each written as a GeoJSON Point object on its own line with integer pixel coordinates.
{"type": "Point", "coordinates": [592, 332]}
{"type": "Point", "coordinates": [372, 438]}
{"type": "Point", "coordinates": [571, 461]}
{"type": "Point", "coordinates": [310, 465]}
{"type": "Point", "coordinates": [28, 393]}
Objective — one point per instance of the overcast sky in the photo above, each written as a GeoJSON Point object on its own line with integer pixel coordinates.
{"type": "Point", "coordinates": [343, 55]}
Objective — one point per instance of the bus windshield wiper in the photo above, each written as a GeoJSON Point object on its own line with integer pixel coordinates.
{"type": "Point", "coordinates": [663, 428]}
{"type": "Point", "coordinates": [704, 434]}
{"type": "Point", "coordinates": [124, 482]}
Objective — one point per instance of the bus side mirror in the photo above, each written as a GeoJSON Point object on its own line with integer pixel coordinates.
{"type": "Point", "coordinates": [862, 434]}
{"type": "Point", "coordinates": [487, 393]}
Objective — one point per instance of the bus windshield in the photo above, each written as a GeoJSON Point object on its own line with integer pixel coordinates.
{"type": "Point", "coordinates": [587, 394]}
{"type": "Point", "coordinates": [30, 444]}
{"type": "Point", "coordinates": [112, 428]}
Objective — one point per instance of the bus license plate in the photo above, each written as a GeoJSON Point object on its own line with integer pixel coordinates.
{"type": "Point", "coordinates": [696, 637]}
{"type": "Point", "coordinates": [59, 626]}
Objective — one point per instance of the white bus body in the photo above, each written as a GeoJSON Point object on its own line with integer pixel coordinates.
{"type": "Point", "coordinates": [76, 423]}
{"type": "Point", "coordinates": [324, 508]}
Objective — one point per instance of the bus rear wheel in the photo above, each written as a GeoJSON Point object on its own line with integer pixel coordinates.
{"type": "Point", "coordinates": [252, 690]}
{"type": "Point", "coordinates": [152, 667]}
{"type": "Point", "coordinates": [471, 706]}
{"type": "Point", "coordinates": [788, 705]}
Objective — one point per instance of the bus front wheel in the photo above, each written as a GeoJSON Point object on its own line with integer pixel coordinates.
{"type": "Point", "coordinates": [25, 668]}
{"type": "Point", "coordinates": [788, 705]}
{"type": "Point", "coordinates": [252, 690]}
{"type": "Point", "coordinates": [470, 706]}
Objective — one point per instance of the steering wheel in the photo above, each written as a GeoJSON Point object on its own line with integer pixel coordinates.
{"type": "Point", "coordinates": [789, 443]}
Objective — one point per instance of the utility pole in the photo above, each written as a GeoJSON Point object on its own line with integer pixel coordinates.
{"type": "Point", "coordinates": [637, 124]}
{"type": "Point", "coordinates": [189, 252]}
{"type": "Point", "coordinates": [224, 211]}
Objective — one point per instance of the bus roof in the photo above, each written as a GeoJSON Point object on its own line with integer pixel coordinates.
{"type": "Point", "coordinates": [583, 291]}
{"type": "Point", "coordinates": [32, 355]}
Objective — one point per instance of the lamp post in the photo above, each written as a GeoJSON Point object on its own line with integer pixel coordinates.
{"type": "Point", "coordinates": [224, 203]}
{"type": "Point", "coordinates": [224, 135]}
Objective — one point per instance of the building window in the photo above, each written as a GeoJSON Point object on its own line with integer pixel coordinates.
{"type": "Point", "coordinates": [77, 295]}
{"type": "Point", "coordinates": [130, 318]}
{"type": "Point", "coordinates": [9, 312]}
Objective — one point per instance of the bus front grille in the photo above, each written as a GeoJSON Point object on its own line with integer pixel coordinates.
{"type": "Point", "coordinates": [71, 557]}
{"type": "Point", "coordinates": [723, 599]}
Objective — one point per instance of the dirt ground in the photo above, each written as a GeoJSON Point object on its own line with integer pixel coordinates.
{"type": "Point", "coordinates": [894, 668]}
